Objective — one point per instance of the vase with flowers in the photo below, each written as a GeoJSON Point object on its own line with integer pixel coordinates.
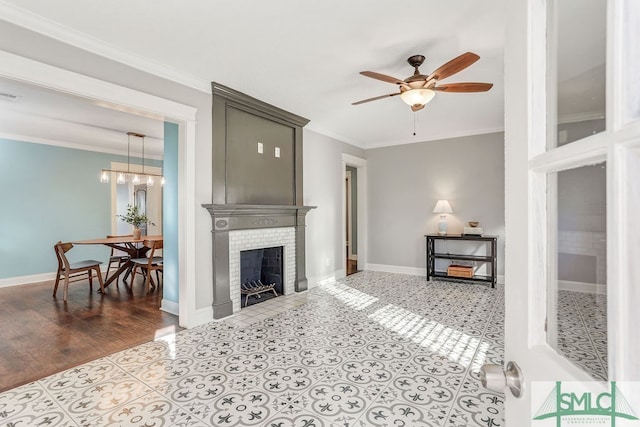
{"type": "Point", "coordinates": [135, 218]}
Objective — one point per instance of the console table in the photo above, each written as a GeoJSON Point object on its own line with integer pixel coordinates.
{"type": "Point", "coordinates": [491, 257]}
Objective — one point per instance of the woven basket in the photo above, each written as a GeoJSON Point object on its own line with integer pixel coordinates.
{"type": "Point", "coordinates": [460, 271]}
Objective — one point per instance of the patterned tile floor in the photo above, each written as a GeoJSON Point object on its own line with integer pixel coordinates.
{"type": "Point", "coordinates": [582, 331]}
{"type": "Point", "coordinates": [374, 349]}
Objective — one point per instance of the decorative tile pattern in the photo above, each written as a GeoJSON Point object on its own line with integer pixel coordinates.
{"type": "Point", "coordinates": [374, 349]}
{"type": "Point", "coordinates": [582, 331]}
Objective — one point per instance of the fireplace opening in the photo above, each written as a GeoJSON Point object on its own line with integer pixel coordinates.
{"type": "Point", "coordinates": [261, 272]}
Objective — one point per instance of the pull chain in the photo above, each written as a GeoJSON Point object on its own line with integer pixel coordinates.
{"type": "Point", "coordinates": [415, 119]}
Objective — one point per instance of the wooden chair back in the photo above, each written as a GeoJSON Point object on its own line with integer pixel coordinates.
{"type": "Point", "coordinates": [153, 245]}
{"type": "Point", "coordinates": [61, 249]}
{"type": "Point", "coordinates": [151, 263]}
{"type": "Point", "coordinates": [66, 272]}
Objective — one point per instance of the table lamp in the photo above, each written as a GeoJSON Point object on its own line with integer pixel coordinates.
{"type": "Point", "coordinates": [442, 207]}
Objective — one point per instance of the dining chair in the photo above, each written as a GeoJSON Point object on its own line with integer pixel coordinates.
{"type": "Point", "coordinates": [118, 259]}
{"type": "Point", "coordinates": [76, 271]}
{"type": "Point", "coordinates": [149, 264]}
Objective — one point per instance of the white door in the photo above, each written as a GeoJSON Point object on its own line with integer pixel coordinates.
{"type": "Point", "coordinates": [564, 116]}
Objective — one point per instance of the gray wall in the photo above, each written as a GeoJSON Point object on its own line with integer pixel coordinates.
{"type": "Point", "coordinates": [582, 199]}
{"type": "Point", "coordinates": [258, 178]}
{"type": "Point", "coordinates": [404, 183]}
{"type": "Point", "coordinates": [323, 185]}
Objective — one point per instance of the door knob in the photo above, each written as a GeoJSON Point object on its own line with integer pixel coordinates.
{"type": "Point", "coordinates": [495, 379]}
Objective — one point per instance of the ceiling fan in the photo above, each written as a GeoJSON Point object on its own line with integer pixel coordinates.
{"type": "Point", "coordinates": [418, 89]}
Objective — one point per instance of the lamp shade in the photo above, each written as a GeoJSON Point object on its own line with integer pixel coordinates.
{"type": "Point", "coordinates": [442, 207]}
{"type": "Point", "coordinates": [417, 96]}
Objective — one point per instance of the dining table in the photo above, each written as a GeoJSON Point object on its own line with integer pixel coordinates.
{"type": "Point", "coordinates": [133, 247]}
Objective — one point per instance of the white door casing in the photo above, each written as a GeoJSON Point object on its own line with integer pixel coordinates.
{"type": "Point", "coordinates": [28, 71]}
{"type": "Point", "coordinates": [527, 165]}
{"type": "Point", "coordinates": [348, 218]}
{"type": "Point", "coordinates": [361, 220]}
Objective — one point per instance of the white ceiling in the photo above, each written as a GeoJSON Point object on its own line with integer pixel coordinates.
{"type": "Point", "coordinates": [303, 57]}
{"type": "Point", "coordinates": [51, 117]}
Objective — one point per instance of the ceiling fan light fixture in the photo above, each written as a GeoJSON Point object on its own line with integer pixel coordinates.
{"type": "Point", "coordinates": [417, 96]}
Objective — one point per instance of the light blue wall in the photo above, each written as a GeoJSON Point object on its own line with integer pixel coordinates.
{"type": "Point", "coordinates": [47, 194]}
{"type": "Point", "coordinates": [170, 289]}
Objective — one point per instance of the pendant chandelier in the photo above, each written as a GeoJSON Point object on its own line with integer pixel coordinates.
{"type": "Point", "coordinates": [134, 177]}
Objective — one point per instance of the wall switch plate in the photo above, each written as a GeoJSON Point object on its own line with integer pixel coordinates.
{"type": "Point", "coordinates": [277, 152]}
{"type": "Point", "coordinates": [260, 148]}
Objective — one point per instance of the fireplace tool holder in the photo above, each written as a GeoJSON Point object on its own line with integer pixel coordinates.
{"type": "Point", "coordinates": [256, 288]}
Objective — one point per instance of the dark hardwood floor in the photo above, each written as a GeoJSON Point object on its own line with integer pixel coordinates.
{"type": "Point", "coordinates": [41, 335]}
{"type": "Point", "coordinates": [352, 266]}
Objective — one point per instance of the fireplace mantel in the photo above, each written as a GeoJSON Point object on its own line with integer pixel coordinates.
{"type": "Point", "coordinates": [230, 217]}
{"type": "Point", "coordinates": [243, 217]}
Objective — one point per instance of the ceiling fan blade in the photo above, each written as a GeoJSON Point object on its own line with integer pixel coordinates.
{"type": "Point", "coordinates": [375, 98]}
{"type": "Point", "coordinates": [454, 66]}
{"type": "Point", "coordinates": [415, 108]}
{"type": "Point", "coordinates": [382, 77]}
{"type": "Point", "coordinates": [464, 87]}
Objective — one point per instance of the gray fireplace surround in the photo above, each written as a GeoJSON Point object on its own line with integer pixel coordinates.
{"type": "Point", "coordinates": [256, 181]}
{"type": "Point", "coordinates": [227, 218]}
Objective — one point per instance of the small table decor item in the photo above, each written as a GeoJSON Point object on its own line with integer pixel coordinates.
{"type": "Point", "coordinates": [135, 218]}
{"type": "Point", "coordinates": [473, 229]}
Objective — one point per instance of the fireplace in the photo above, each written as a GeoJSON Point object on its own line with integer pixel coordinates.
{"type": "Point", "coordinates": [256, 193]}
{"type": "Point", "coordinates": [242, 241]}
{"type": "Point", "coordinates": [261, 275]}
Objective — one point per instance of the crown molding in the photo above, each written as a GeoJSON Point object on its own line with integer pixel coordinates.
{"type": "Point", "coordinates": [62, 133]}
{"type": "Point", "coordinates": [71, 145]}
{"type": "Point", "coordinates": [41, 25]}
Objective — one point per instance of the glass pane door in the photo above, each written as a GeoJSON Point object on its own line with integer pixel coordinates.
{"type": "Point", "coordinates": [577, 310]}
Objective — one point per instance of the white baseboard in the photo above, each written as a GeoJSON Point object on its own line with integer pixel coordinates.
{"type": "Point", "coordinates": [35, 278]}
{"type": "Point", "coordinates": [591, 288]}
{"type": "Point", "coordinates": [414, 271]}
{"type": "Point", "coordinates": [23, 280]}
{"type": "Point", "coordinates": [314, 281]}
{"type": "Point", "coordinates": [400, 269]}
{"type": "Point", "coordinates": [170, 307]}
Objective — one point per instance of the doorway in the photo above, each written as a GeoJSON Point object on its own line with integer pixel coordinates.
{"type": "Point", "coordinates": [354, 214]}
{"type": "Point", "coordinates": [351, 219]}
{"type": "Point", "coordinates": [57, 79]}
